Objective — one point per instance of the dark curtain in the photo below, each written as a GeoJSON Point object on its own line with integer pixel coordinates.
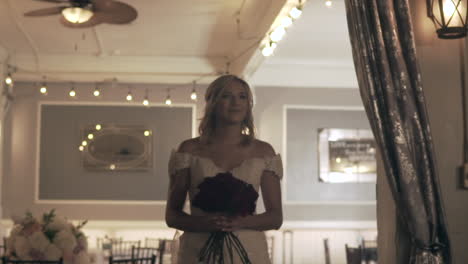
{"type": "Point", "coordinates": [390, 85]}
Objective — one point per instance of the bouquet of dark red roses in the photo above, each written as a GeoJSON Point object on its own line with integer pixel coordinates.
{"type": "Point", "coordinates": [229, 196]}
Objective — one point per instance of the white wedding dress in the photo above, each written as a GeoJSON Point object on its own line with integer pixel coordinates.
{"type": "Point", "coordinates": [250, 171]}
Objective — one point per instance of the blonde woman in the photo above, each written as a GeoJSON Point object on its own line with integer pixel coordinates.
{"type": "Point", "coordinates": [227, 146]}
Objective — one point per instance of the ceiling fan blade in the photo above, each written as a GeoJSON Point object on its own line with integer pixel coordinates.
{"type": "Point", "coordinates": [92, 22]}
{"type": "Point", "coordinates": [114, 12]}
{"type": "Point", "coordinates": [46, 11]}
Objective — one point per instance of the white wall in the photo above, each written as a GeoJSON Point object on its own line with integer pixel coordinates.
{"type": "Point", "coordinates": [21, 150]}
{"type": "Point", "coordinates": [269, 111]}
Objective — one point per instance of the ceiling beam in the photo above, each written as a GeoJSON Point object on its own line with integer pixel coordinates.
{"type": "Point", "coordinates": [132, 69]}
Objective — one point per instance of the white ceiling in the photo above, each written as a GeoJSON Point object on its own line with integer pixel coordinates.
{"type": "Point", "coordinates": [315, 52]}
{"type": "Point", "coordinates": [177, 41]}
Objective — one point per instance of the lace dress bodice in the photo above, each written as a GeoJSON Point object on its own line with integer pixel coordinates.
{"type": "Point", "coordinates": [249, 170]}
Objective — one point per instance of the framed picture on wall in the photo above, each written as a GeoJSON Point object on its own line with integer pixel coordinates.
{"type": "Point", "coordinates": [108, 147]}
{"type": "Point", "coordinates": [346, 155]}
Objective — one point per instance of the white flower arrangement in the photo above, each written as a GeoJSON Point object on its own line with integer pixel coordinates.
{"type": "Point", "coordinates": [49, 238]}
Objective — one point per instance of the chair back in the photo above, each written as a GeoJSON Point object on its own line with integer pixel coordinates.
{"type": "Point", "coordinates": [130, 260]}
{"type": "Point", "coordinates": [327, 251]}
{"type": "Point", "coordinates": [165, 253]}
{"type": "Point", "coordinates": [271, 246]}
{"type": "Point", "coordinates": [353, 255]}
{"type": "Point", "coordinates": [369, 251]}
{"type": "Point", "coordinates": [144, 252]}
{"type": "Point", "coordinates": [6, 260]}
{"type": "Point", "coordinates": [151, 242]}
{"type": "Point", "coordinates": [122, 248]}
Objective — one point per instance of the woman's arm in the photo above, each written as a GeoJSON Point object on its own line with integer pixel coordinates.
{"type": "Point", "coordinates": [175, 216]}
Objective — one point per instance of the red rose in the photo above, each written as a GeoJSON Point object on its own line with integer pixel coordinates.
{"type": "Point", "coordinates": [226, 194]}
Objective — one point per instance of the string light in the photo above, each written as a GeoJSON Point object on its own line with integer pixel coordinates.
{"type": "Point", "coordinates": [147, 133]}
{"type": "Point", "coordinates": [268, 49]}
{"type": "Point", "coordinates": [81, 148]}
{"type": "Point", "coordinates": [72, 92]}
{"type": "Point", "coordinates": [296, 12]}
{"type": "Point", "coordinates": [98, 127]}
{"type": "Point", "coordinates": [43, 88]}
{"type": "Point", "coordinates": [96, 92]}
{"type": "Point", "coordinates": [286, 21]}
{"type": "Point", "coordinates": [193, 95]}
{"type": "Point", "coordinates": [129, 95]}
{"type": "Point", "coordinates": [145, 100]}
{"type": "Point", "coordinates": [168, 98]}
{"type": "Point", "coordinates": [277, 34]}
{"type": "Point", "coordinates": [328, 3]}
{"type": "Point", "coordinates": [9, 79]}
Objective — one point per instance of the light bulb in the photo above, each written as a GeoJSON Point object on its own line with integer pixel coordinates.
{"type": "Point", "coordinates": [77, 15]}
{"type": "Point", "coordinates": [72, 93]}
{"type": "Point", "coordinates": [84, 143]}
{"type": "Point", "coordinates": [98, 127]}
{"type": "Point", "coordinates": [96, 93]}
{"type": "Point", "coordinates": [268, 49]}
{"type": "Point", "coordinates": [328, 3]}
{"type": "Point", "coordinates": [277, 34]}
{"type": "Point", "coordinates": [9, 80]}
{"type": "Point", "coordinates": [145, 101]}
{"type": "Point", "coordinates": [193, 96]}
{"type": "Point", "coordinates": [90, 136]}
{"type": "Point", "coordinates": [286, 21]}
{"type": "Point", "coordinates": [168, 101]}
{"type": "Point", "coordinates": [81, 148]}
{"type": "Point", "coordinates": [112, 167]}
{"type": "Point", "coordinates": [43, 89]}
{"type": "Point", "coordinates": [146, 133]}
{"type": "Point", "coordinates": [129, 97]}
{"type": "Point", "coordinates": [295, 13]}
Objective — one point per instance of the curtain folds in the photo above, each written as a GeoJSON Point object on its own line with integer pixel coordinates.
{"type": "Point", "coordinates": [391, 89]}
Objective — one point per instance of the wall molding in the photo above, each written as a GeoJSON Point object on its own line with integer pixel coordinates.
{"type": "Point", "coordinates": [37, 200]}
{"type": "Point", "coordinates": [284, 150]}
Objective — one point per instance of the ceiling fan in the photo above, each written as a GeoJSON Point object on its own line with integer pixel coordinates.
{"type": "Point", "coordinates": [88, 13]}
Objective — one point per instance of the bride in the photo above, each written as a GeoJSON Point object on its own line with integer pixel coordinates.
{"type": "Point", "coordinates": [227, 144]}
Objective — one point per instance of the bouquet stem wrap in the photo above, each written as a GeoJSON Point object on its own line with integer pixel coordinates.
{"type": "Point", "coordinates": [224, 194]}
{"type": "Point", "coordinates": [213, 251]}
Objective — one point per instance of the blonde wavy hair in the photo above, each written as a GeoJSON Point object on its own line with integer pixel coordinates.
{"type": "Point", "coordinates": [212, 97]}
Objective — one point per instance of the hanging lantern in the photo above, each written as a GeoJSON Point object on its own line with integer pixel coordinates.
{"type": "Point", "coordinates": [449, 17]}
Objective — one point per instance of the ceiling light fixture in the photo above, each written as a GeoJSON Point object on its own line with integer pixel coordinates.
{"type": "Point", "coordinates": [77, 14]}
{"type": "Point", "coordinates": [328, 3]}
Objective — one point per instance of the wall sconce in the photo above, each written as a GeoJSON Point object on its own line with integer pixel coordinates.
{"type": "Point", "coordinates": [449, 17]}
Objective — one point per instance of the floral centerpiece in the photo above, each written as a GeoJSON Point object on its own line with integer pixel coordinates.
{"type": "Point", "coordinates": [51, 237]}
{"type": "Point", "coordinates": [224, 194]}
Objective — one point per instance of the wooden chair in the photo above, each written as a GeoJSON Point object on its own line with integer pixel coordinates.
{"type": "Point", "coordinates": [327, 251]}
{"type": "Point", "coordinates": [151, 242]}
{"type": "Point", "coordinates": [6, 260]}
{"type": "Point", "coordinates": [164, 249]}
{"type": "Point", "coordinates": [271, 246]}
{"type": "Point", "coordinates": [148, 260]}
{"type": "Point", "coordinates": [144, 252]}
{"type": "Point", "coordinates": [122, 248]}
{"type": "Point", "coordinates": [353, 255]}
{"type": "Point", "coordinates": [369, 251]}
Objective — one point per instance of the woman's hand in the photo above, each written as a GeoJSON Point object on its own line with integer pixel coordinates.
{"type": "Point", "coordinates": [230, 224]}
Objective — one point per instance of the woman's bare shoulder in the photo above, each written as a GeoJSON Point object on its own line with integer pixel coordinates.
{"type": "Point", "coordinates": [191, 146]}
{"type": "Point", "coordinates": [263, 149]}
